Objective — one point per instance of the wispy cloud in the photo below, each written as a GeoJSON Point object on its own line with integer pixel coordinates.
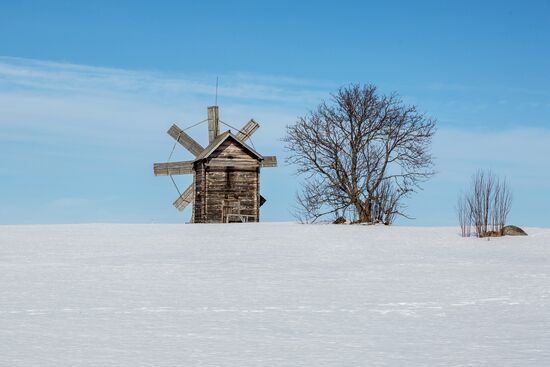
{"type": "Point", "coordinates": [59, 100]}
{"type": "Point", "coordinates": [70, 78]}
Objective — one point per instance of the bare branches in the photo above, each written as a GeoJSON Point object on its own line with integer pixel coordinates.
{"type": "Point", "coordinates": [486, 206]}
{"type": "Point", "coordinates": [386, 203]}
{"type": "Point", "coordinates": [361, 150]}
{"type": "Point", "coordinates": [315, 201]}
{"type": "Point", "coordinates": [464, 216]}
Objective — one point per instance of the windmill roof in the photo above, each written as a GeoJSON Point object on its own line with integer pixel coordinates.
{"type": "Point", "coordinates": [219, 140]}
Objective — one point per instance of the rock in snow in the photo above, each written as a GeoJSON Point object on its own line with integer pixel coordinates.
{"type": "Point", "coordinates": [340, 220]}
{"type": "Point", "coordinates": [513, 231]}
{"type": "Point", "coordinates": [271, 295]}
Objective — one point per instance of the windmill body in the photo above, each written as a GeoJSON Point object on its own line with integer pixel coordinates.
{"type": "Point", "coordinates": [226, 174]}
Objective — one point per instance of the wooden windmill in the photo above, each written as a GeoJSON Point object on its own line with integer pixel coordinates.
{"type": "Point", "coordinates": [226, 174]}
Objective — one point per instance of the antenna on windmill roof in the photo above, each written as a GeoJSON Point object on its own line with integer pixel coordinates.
{"type": "Point", "coordinates": [216, 99]}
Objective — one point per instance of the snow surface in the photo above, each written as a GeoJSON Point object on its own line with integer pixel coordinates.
{"type": "Point", "coordinates": [271, 295]}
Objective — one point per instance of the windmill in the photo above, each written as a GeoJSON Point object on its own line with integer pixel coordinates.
{"type": "Point", "coordinates": [226, 173]}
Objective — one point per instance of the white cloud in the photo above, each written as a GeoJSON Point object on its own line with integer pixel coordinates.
{"type": "Point", "coordinates": [107, 105]}
{"type": "Point", "coordinates": [60, 77]}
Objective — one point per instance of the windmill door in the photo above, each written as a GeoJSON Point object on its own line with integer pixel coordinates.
{"type": "Point", "coordinates": [231, 210]}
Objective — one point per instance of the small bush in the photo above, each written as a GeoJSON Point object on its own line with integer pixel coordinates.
{"type": "Point", "coordinates": [485, 207]}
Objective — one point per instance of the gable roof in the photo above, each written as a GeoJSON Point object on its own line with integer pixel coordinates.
{"type": "Point", "coordinates": [219, 140]}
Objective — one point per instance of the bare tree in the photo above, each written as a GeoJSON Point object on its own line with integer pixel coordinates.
{"type": "Point", "coordinates": [502, 203]}
{"type": "Point", "coordinates": [361, 151]}
{"type": "Point", "coordinates": [464, 216]}
{"type": "Point", "coordinates": [486, 206]}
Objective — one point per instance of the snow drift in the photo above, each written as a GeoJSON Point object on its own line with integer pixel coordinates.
{"type": "Point", "coordinates": [271, 295]}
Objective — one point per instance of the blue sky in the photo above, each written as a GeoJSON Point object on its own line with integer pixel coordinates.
{"type": "Point", "coordinates": [88, 89]}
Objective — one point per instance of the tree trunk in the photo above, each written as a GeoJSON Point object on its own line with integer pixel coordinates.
{"type": "Point", "coordinates": [364, 213]}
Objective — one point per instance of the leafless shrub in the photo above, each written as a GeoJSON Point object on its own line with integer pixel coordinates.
{"type": "Point", "coordinates": [386, 204]}
{"type": "Point", "coordinates": [464, 216]}
{"type": "Point", "coordinates": [486, 206]}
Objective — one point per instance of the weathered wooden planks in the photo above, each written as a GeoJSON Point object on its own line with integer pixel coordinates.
{"type": "Point", "coordinates": [213, 123]}
{"type": "Point", "coordinates": [184, 199]}
{"type": "Point", "coordinates": [269, 161]}
{"type": "Point", "coordinates": [225, 173]}
{"type": "Point", "coordinates": [233, 165]}
{"type": "Point", "coordinates": [230, 149]}
{"type": "Point", "coordinates": [173, 168]}
{"type": "Point", "coordinates": [225, 182]}
{"type": "Point", "coordinates": [185, 140]}
{"type": "Point", "coordinates": [247, 130]}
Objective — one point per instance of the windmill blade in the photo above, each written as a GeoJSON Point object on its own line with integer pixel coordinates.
{"type": "Point", "coordinates": [173, 168]}
{"type": "Point", "coordinates": [184, 199]}
{"type": "Point", "coordinates": [247, 130]}
{"type": "Point", "coordinates": [185, 140]}
{"type": "Point", "coordinates": [269, 161]}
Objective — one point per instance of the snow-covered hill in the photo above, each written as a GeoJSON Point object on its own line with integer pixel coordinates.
{"type": "Point", "coordinates": [271, 295]}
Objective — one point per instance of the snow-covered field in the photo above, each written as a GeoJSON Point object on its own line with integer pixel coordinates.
{"type": "Point", "coordinates": [271, 295]}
